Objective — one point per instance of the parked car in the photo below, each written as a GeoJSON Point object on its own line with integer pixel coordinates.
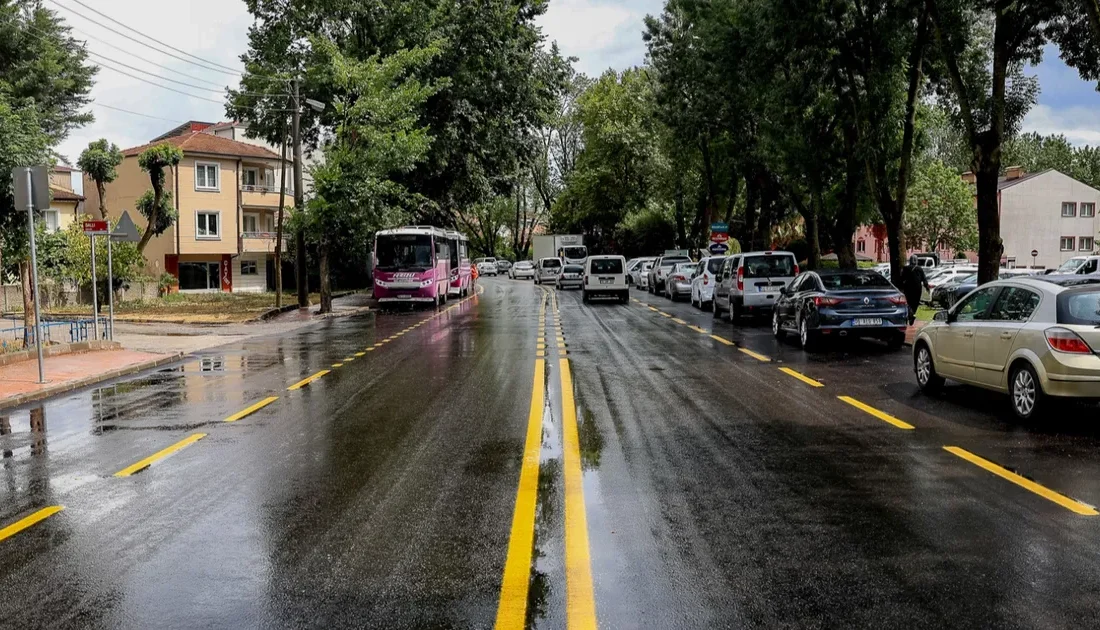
{"type": "Point", "coordinates": [634, 265]}
{"type": "Point", "coordinates": [1034, 338]}
{"type": "Point", "coordinates": [1080, 264]}
{"type": "Point", "coordinates": [640, 274]}
{"type": "Point", "coordinates": [503, 266]}
{"type": "Point", "coordinates": [486, 266]}
{"type": "Point", "coordinates": [678, 282]}
{"type": "Point", "coordinates": [522, 269]}
{"type": "Point", "coordinates": [571, 276]}
{"type": "Point", "coordinates": [605, 276]}
{"type": "Point", "coordinates": [750, 282]}
{"type": "Point", "coordinates": [660, 269]}
{"type": "Point", "coordinates": [702, 283]}
{"type": "Point", "coordinates": [947, 294]}
{"type": "Point", "coordinates": [945, 275]}
{"type": "Point", "coordinates": [547, 270]}
{"type": "Point", "coordinates": [841, 303]}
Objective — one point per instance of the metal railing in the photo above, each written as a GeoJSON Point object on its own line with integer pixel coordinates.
{"type": "Point", "coordinates": [263, 188]}
{"type": "Point", "coordinates": [16, 338]}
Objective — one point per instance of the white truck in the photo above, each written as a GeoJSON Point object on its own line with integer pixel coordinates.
{"type": "Point", "coordinates": [569, 247]}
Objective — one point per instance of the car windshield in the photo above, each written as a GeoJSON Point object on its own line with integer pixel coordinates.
{"type": "Point", "coordinates": [714, 265]}
{"type": "Point", "coordinates": [551, 262]}
{"type": "Point", "coordinates": [686, 267]}
{"type": "Point", "coordinates": [572, 269]}
{"type": "Point", "coordinates": [769, 266]}
{"type": "Point", "coordinates": [575, 252]}
{"type": "Point", "coordinates": [1079, 307]}
{"type": "Point", "coordinates": [1071, 265]}
{"type": "Point", "coordinates": [607, 265]}
{"type": "Point", "coordinates": [849, 281]}
{"type": "Point", "coordinates": [404, 252]}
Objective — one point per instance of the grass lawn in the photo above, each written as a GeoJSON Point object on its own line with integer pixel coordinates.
{"type": "Point", "coordinates": [192, 308]}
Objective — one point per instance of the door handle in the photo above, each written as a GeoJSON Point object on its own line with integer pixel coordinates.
{"type": "Point", "coordinates": [1006, 335]}
{"type": "Point", "coordinates": [968, 333]}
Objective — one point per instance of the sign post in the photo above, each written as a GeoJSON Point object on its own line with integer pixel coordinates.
{"type": "Point", "coordinates": [1034, 255]}
{"type": "Point", "coordinates": [719, 236]}
{"type": "Point", "coordinates": [32, 188]}
{"type": "Point", "coordinates": [93, 229]}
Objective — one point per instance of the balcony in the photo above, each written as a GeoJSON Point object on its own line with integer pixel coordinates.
{"type": "Point", "coordinates": [260, 242]}
{"type": "Point", "coordinates": [265, 196]}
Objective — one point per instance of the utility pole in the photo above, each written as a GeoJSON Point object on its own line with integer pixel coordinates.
{"type": "Point", "coordinates": [299, 202]}
{"type": "Point", "coordinates": [279, 224]}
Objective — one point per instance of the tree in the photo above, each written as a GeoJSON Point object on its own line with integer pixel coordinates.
{"type": "Point", "coordinates": [153, 161]}
{"type": "Point", "coordinates": [75, 261]}
{"type": "Point", "coordinates": [165, 214]}
{"type": "Point", "coordinates": [99, 162]}
{"type": "Point", "coordinates": [940, 209]}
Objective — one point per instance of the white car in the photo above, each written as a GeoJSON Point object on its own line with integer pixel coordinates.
{"type": "Point", "coordinates": [633, 266]}
{"type": "Point", "coordinates": [547, 270]}
{"type": "Point", "coordinates": [702, 283]}
{"type": "Point", "coordinates": [640, 275]}
{"type": "Point", "coordinates": [522, 269]}
{"type": "Point", "coordinates": [605, 276]}
{"type": "Point", "coordinates": [486, 266]}
{"type": "Point", "coordinates": [944, 275]}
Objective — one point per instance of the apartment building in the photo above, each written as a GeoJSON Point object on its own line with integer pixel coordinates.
{"type": "Point", "coordinates": [67, 201]}
{"type": "Point", "coordinates": [227, 197]}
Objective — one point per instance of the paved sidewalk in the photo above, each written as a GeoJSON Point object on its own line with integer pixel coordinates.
{"type": "Point", "coordinates": [911, 332]}
{"type": "Point", "coordinates": [19, 381]}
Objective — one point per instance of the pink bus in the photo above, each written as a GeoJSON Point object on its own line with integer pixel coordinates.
{"type": "Point", "coordinates": [412, 264]}
{"type": "Point", "coordinates": [461, 278]}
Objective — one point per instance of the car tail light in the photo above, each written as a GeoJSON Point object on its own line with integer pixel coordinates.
{"type": "Point", "coordinates": [897, 300]}
{"type": "Point", "coordinates": [740, 278]}
{"type": "Point", "coordinates": [826, 301]}
{"type": "Point", "coordinates": [1065, 340]}
{"type": "Point", "coordinates": [706, 280]}
{"type": "Point", "coordinates": [678, 278]}
{"type": "Point", "coordinates": [795, 270]}
{"type": "Point", "coordinates": [586, 278]}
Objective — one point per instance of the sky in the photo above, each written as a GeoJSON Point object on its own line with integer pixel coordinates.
{"type": "Point", "coordinates": [602, 34]}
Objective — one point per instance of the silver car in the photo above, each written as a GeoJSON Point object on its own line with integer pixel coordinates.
{"type": "Point", "coordinates": [521, 270]}
{"type": "Point", "coordinates": [678, 283]}
{"type": "Point", "coordinates": [751, 282]}
{"type": "Point", "coordinates": [547, 270]}
{"type": "Point", "coordinates": [571, 276]}
{"type": "Point", "coordinates": [1034, 338]}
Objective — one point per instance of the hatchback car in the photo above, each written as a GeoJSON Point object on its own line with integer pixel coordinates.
{"type": "Point", "coordinates": [605, 276]}
{"type": "Point", "coordinates": [750, 282]}
{"type": "Point", "coordinates": [678, 282]}
{"type": "Point", "coordinates": [547, 270]}
{"type": "Point", "coordinates": [486, 266]}
{"type": "Point", "coordinates": [946, 294]}
{"type": "Point", "coordinates": [571, 276]}
{"type": "Point", "coordinates": [841, 303]}
{"type": "Point", "coordinates": [1034, 338]}
{"type": "Point", "coordinates": [521, 270]}
{"type": "Point", "coordinates": [706, 276]}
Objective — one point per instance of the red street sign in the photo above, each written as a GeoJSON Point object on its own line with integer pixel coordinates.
{"type": "Point", "coordinates": [95, 227]}
{"type": "Point", "coordinates": [719, 237]}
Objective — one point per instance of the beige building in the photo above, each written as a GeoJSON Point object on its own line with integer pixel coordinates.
{"type": "Point", "coordinates": [226, 195]}
{"type": "Point", "coordinates": [66, 198]}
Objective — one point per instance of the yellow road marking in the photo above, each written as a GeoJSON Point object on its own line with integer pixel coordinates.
{"type": "Point", "coordinates": [561, 346]}
{"type": "Point", "coordinates": [377, 345]}
{"type": "Point", "coordinates": [540, 346]}
{"type": "Point", "coordinates": [371, 349]}
{"type": "Point", "coordinates": [664, 314]}
{"type": "Point", "coordinates": [699, 330]}
{"type": "Point", "coordinates": [580, 602]}
{"type": "Point", "coordinates": [28, 521]}
{"type": "Point", "coordinates": [337, 365]}
{"type": "Point", "coordinates": [307, 380]}
{"type": "Point", "coordinates": [540, 354]}
{"type": "Point", "coordinates": [679, 321]}
{"type": "Point", "coordinates": [722, 340]}
{"type": "Point", "coordinates": [359, 354]}
{"type": "Point", "coordinates": [755, 355]}
{"type": "Point", "coordinates": [148, 461]}
{"type": "Point", "coordinates": [244, 413]}
{"type": "Point", "coordinates": [1073, 506]}
{"type": "Point", "coordinates": [653, 309]}
{"type": "Point", "coordinates": [512, 611]}
{"type": "Point", "coordinates": [881, 415]}
{"type": "Point", "coordinates": [802, 377]}
{"type": "Point", "coordinates": [348, 360]}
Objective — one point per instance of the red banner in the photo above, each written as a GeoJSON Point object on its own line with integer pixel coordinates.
{"type": "Point", "coordinates": [227, 273]}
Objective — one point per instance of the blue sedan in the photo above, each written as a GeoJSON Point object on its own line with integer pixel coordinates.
{"type": "Point", "coordinates": [841, 303]}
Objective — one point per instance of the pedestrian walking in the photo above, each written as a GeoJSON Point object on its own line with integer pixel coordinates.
{"type": "Point", "coordinates": [913, 283]}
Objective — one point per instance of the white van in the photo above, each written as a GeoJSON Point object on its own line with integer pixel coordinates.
{"type": "Point", "coordinates": [750, 283]}
{"type": "Point", "coordinates": [605, 276]}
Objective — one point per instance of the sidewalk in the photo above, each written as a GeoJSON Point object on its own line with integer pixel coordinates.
{"type": "Point", "coordinates": [19, 381]}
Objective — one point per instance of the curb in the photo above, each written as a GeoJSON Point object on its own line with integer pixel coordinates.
{"type": "Point", "coordinates": [268, 314]}
{"type": "Point", "coordinates": [62, 388]}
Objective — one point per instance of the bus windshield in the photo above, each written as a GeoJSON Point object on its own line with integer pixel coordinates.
{"type": "Point", "coordinates": [404, 252]}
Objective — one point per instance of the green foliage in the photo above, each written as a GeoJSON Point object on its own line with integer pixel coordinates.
{"type": "Point", "coordinates": [646, 231]}
{"type": "Point", "coordinates": [99, 162]}
{"type": "Point", "coordinates": [1036, 153]}
{"type": "Point", "coordinates": [164, 217]}
{"type": "Point", "coordinates": [940, 209]}
{"type": "Point", "coordinates": [156, 158]}
{"type": "Point", "coordinates": [75, 260]}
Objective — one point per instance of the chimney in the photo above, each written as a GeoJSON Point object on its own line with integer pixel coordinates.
{"type": "Point", "coordinates": [1014, 172]}
{"type": "Point", "coordinates": [970, 177]}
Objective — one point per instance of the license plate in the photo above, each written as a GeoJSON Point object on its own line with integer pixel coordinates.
{"type": "Point", "coordinates": [867, 321]}
{"type": "Point", "coordinates": [606, 280]}
{"type": "Point", "coordinates": [404, 296]}
{"type": "Point", "coordinates": [763, 289]}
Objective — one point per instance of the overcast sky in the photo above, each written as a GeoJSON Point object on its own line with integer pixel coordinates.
{"type": "Point", "coordinates": [601, 33]}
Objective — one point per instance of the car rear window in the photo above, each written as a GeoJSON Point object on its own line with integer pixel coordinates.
{"type": "Point", "coordinates": [572, 269]}
{"type": "Point", "coordinates": [1080, 307]}
{"type": "Point", "coordinates": [686, 267]}
{"type": "Point", "coordinates": [769, 266]}
{"type": "Point", "coordinates": [551, 262]}
{"type": "Point", "coordinates": [844, 281]}
{"type": "Point", "coordinates": [714, 265]}
{"type": "Point", "coordinates": [607, 265]}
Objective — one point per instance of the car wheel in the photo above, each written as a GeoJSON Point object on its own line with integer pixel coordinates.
{"type": "Point", "coordinates": [735, 312]}
{"type": "Point", "coordinates": [807, 336]}
{"type": "Point", "coordinates": [584, 296]}
{"type": "Point", "coordinates": [777, 330]}
{"type": "Point", "coordinates": [1028, 400]}
{"type": "Point", "coordinates": [714, 308]}
{"type": "Point", "coordinates": [927, 379]}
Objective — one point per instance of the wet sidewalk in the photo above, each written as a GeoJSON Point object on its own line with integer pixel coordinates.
{"type": "Point", "coordinates": [19, 381]}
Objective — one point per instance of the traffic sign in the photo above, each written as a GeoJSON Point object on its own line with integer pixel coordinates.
{"type": "Point", "coordinates": [34, 191]}
{"type": "Point", "coordinates": [96, 228]}
{"type": "Point", "coordinates": [718, 248]}
{"type": "Point", "coordinates": [125, 230]}
{"type": "Point", "coordinates": [719, 237]}
{"type": "Point", "coordinates": [719, 226]}
{"type": "Point", "coordinates": [1034, 253]}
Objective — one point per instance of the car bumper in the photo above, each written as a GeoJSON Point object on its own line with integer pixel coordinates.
{"type": "Point", "coordinates": [845, 325]}
{"type": "Point", "coordinates": [523, 274]}
{"type": "Point", "coordinates": [562, 282]}
{"type": "Point", "coordinates": [1071, 376]}
{"type": "Point", "coordinates": [681, 288]}
{"type": "Point", "coordinates": [758, 301]}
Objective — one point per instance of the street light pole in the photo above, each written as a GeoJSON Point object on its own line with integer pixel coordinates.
{"type": "Point", "coordinates": [39, 338]}
{"type": "Point", "coordinates": [300, 236]}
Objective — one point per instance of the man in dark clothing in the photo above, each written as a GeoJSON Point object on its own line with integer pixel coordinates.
{"type": "Point", "coordinates": [913, 283]}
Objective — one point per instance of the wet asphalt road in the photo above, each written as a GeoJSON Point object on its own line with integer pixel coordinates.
{"type": "Point", "coordinates": [679, 482]}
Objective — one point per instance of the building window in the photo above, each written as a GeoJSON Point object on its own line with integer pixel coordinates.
{"type": "Point", "coordinates": [52, 219]}
{"type": "Point", "coordinates": [248, 268]}
{"type": "Point", "coordinates": [250, 177]}
{"type": "Point", "coordinates": [208, 225]}
{"type": "Point", "coordinates": [199, 276]}
{"type": "Point", "coordinates": [251, 224]}
{"type": "Point", "coordinates": [1084, 243]}
{"type": "Point", "coordinates": [861, 246]}
{"type": "Point", "coordinates": [1088, 209]}
{"type": "Point", "coordinates": [1067, 243]}
{"type": "Point", "coordinates": [1069, 208]}
{"type": "Point", "coordinates": [206, 176]}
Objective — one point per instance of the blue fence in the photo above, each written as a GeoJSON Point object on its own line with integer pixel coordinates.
{"type": "Point", "coordinates": [18, 337]}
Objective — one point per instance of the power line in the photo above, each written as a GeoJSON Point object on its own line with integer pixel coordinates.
{"type": "Point", "coordinates": [170, 47]}
{"type": "Point", "coordinates": [152, 63]}
{"type": "Point", "coordinates": [153, 74]}
{"type": "Point", "coordinates": [126, 111]}
{"type": "Point", "coordinates": [163, 87]}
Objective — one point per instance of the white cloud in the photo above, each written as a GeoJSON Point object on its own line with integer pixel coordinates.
{"type": "Point", "coordinates": [1080, 125]}
{"type": "Point", "coordinates": [601, 35]}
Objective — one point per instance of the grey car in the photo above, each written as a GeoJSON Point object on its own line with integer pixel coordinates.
{"type": "Point", "coordinates": [660, 269]}
{"type": "Point", "coordinates": [1034, 338]}
{"type": "Point", "coordinates": [678, 282]}
{"type": "Point", "coordinates": [750, 282]}
{"type": "Point", "coordinates": [571, 277]}
{"type": "Point", "coordinates": [547, 270]}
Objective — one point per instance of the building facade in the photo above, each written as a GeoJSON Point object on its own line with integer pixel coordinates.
{"type": "Point", "coordinates": [67, 201]}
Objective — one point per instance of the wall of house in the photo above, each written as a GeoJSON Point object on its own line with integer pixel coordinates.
{"type": "Point", "coordinates": [1031, 218]}
{"type": "Point", "coordinates": [250, 284]}
{"type": "Point", "coordinates": [223, 201]}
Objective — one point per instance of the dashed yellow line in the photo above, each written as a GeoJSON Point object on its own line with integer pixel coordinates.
{"type": "Point", "coordinates": [348, 360]}
{"type": "Point", "coordinates": [359, 354]}
{"type": "Point", "coordinates": [664, 314]}
{"type": "Point", "coordinates": [244, 413]}
{"type": "Point", "coordinates": [307, 380]}
{"type": "Point", "coordinates": [881, 415]}
{"type": "Point", "coordinates": [149, 461]}
{"type": "Point", "coordinates": [722, 340]}
{"type": "Point", "coordinates": [1070, 504]}
{"type": "Point", "coordinates": [755, 355]}
{"type": "Point", "coordinates": [699, 330]}
{"type": "Point", "coordinates": [653, 309]}
{"type": "Point", "coordinates": [679, 321]}
{"type": "Point", "coordinates": [29, 521]}
{"type": "Point", "coordinates": [802, 377]}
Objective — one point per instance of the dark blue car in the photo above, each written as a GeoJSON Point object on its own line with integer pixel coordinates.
{"type": "Point", "coordinates": [841, 303]}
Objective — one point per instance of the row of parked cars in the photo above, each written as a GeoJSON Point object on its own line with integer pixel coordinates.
{"type": "Point", "coordinates": [599, 276]}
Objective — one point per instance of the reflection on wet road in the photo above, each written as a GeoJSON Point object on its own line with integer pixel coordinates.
{"type": "Point", "coordinates": [521, 459]}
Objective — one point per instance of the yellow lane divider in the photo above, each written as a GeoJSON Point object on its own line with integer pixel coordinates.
{"type": "Point", "coordinates": [679, 321]}
{"type": "Point", "coordinates": [580, 600]}
{"type": "Point", "coordinates": [149, 461]}
{"type": "Point", "coordinates": [251, 410]}
{"type": "Point", "coordinates": [29, 521]}
{"type": "Point", "coordinates": [307, 380]}
{"type": "Point", "coordinates": [512, 611]}
{"type": "Point", "coordinates": [881, 415]}
{"type": "Point", "coordinates": [664, 314]}
{"type": "Point", "coordinates": [337, 365]}
{"type": "Point", "coordinates": [722, 340]}
{"type": "Point", "coordinates": [755, 355]}
{"type": "Point", "coordinates": [699, 330]}
{"type": "Point", "coordinates": [1070, 504]}
{"type": "Point", "coordinates": [348, 359]}
{"type": "Point", "coordinates": [802, 377]}
{"type": "Point", "coordinates": [359, 354]}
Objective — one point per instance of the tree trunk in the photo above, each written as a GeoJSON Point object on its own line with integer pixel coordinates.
{"type": "Point", "coordinates": [735, 186]}
{"type": "Point", "coordinates": [810, 216]}
{"type": "Point", "coordinates": [681, 227]}
{"type": "Point", "coordinates": [845, 225]}
{"type": "Point", "coordinates": [29, 319]}
{"type": "Point", "coordinates": [101, 189]}
{"type": "Point", "coordinates": [895, 241]}
{"type": "Point", "coordinates": [157, 180]}
{"type": "Point", "coordinates": [748, 227]}
{"type": "Point", "coordinates": [762, 236]}
{"type": "Point", "coordinates": [990, 246]}
{"type": "Point", "coordinates": [326, 281]}
{"type": "Point", "coordinates": [712, 195]}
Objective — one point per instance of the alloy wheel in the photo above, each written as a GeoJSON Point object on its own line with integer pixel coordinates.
{"type": "Point", "coordinates": [804, 333]}
{"type": "Point", "coordinates": [1023, 392]}
{"type": "Point", "coordinates": [924, 366]}
{"type": "Point", "coordinates": [775, 323]}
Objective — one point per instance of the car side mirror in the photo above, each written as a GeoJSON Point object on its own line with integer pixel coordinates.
{"type": "Point", "coordinates": [942, 316]}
